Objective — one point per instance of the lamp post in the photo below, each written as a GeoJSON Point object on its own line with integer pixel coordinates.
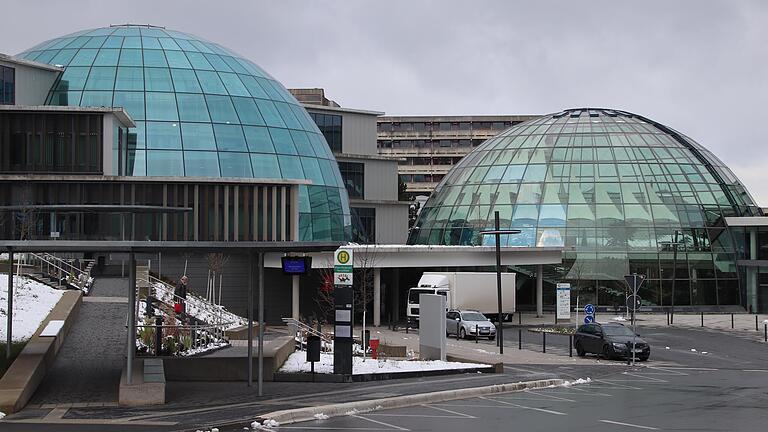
{"type": "Point", "coordinates": [497, 232]}
{"type": "Point", "coordinates": [675, 243]}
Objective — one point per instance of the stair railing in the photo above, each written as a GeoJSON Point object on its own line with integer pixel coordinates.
{"type": "Point", "coordinates": [62, 270]}
{"type": "Point", "coordinates": [301, 331]}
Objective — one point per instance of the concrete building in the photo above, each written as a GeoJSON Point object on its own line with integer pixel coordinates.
{"type": "Point", "coordinates": [427, 147]}
{"type": "Point", "coordinates": [371, 180]}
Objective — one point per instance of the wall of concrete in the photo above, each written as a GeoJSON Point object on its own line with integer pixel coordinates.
{"type": "Point", "coordinates": [358, 133]}
{"type": "Point", "coordinates": [32, 84]}
{"type": "Point", "coordinates": [380, 179]}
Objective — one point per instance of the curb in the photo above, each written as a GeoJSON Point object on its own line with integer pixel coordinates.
{"type": "Point", "coordinates": [348, 408]}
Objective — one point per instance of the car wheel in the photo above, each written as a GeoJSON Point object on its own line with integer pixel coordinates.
{"type": "Point", "coordinates": [607, 354]}
{"type": "Point", "coordinates": [580, 351]}
{"type": "Point", "coordinates": [643, 358]}
{"type": "Point", "coordinates": [462, 333]}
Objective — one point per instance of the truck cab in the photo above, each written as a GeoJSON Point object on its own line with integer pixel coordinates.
{"type": "Point", "coordinates": [412, 311]}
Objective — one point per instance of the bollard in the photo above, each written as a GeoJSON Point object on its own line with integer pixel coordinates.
{"type": "Point", "coordinates": [766, 332]}
{"type": "Point", "coordinates": [731, 321]}
{"type": "Point", "coordinates": [570, 345]}
{"type": "Point", "coordinates": [702, 319]}
{"type": "Point", "coordinates": [477, 333]}
{"type": "Point", "coordinates": [756, 329]}
{"type": "Point", "coordinates": [544, 342]}
{"type": "Point", "coordinates": [519, 338]}
{"type": "Point", "coordinates": [520, 318]}
{"type": "Point", "coordinates": [158, 335]}
{"type": "Point", "coordinates": [458, 330]}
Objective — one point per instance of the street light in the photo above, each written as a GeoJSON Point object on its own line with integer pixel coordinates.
{"type": "Point", "coordinates": [497, 232]}
{"type": "Point", "coordinates": [674, 244]}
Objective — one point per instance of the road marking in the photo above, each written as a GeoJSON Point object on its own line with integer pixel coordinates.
{"type": "Point", "coordinates": [685, 368]}
{"type": "Point", "coordinates": [754, 370]}
{"type": "Point", "coordinates": [591, 392]}
{"type": "Point", "coordinates": [550, 396]}
{"type": "Point", "coordinates": [546, 411]}
{"type": "Point", "coordinates": [381, 423]}
{"type": "Point", "coordinates": [645, 376]}
{"type": "Point", "coordinates": [332, 428]}
{"type": "Point", "coordinates": [451, 412]}
{"type": "Point", "coordinates": [629, 425]}
{"type": "Point", "coordinates": [525, 370]}
{"type": "Point", "coordinates": [613, 385]}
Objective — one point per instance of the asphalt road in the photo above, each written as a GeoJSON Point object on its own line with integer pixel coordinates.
{"type": "Point", "coordinates": [696, 380]}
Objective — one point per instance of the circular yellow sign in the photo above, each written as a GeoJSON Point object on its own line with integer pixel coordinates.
{"type": "Point", "coordinates": [343, 257]}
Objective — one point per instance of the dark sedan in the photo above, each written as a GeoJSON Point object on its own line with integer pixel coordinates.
{"type": "Point", "coordinates": [610, 340]}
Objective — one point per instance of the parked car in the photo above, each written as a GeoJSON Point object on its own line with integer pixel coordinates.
{"type": "Point", "coordinates": [468, 323]}
{"type": "Point", "coordinates": [610, 340]}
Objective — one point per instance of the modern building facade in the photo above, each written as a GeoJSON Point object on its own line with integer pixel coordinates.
{"type": "Point", "coordinates": [371, 180]}
{"type": "Point", "coordinates": [199, 110]}
{"type": "Point", "coordinates": [623, 194]}
{"type": "Point", "coordinates": [427, 147]}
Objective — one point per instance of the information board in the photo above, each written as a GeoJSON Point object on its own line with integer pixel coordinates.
{"type": "Point", "coordinates": [563, 301]}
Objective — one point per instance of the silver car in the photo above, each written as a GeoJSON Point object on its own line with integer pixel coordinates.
{"type": "Point", "coordinates": [466, 323]}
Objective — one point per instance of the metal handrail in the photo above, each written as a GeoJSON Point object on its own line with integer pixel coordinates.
{"type": "Point", "coordinates": [304, 328]}
{"type": "Point", "coordinates": [76, 277]}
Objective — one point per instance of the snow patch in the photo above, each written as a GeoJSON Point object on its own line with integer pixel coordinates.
{"type": "Point", "coordinates": [619, 318]}
{"type": "Point", "coordinates": [32, 302]}
{"type": "Point", "coordinates": [577, 382]}
{"type": "Point", "coordinates": [321, 416]}
{"type": "Point", "coordinates": [267, 424]}
{"type": "Point", "coordinates": [666, 347]}
{"type": "Point", "coordinates": [693, 349]}
{"type": "Point", "coordinates": [296, 362]}
{"type": "Point", "coordinates": [2, 414]}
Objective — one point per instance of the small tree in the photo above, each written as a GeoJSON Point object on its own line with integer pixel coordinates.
{"type": "Point", "coordinates": [216, 263]}
{"type": "Point", "coordinates": [324, 295]}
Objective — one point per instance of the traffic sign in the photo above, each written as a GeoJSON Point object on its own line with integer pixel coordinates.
{"type": "Point", "coordinates": [589, 309]}
{"type": "Point", "coordinates": [564, 301]}
{"type": "Point", "coordinates": [634, 281]}
{"type": "Point", "coordinates": [589, 319]}
{"type": "Point", "coordinates": [343, 260]}
{"type": "Point", "coordinates": [633, 302]}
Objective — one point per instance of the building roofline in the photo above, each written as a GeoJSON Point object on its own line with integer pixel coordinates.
{"type": "Point", "coordinates": [341, 109]}
{"type": "Point", "coordinates": [119, 112]}
{"type": "Point", "coordinates": [407, 118]}
{"type": "Point", "coordinates": [339, 156]}
{"type": "Point", "coordinates": [151, 179]}
{"type": "Point", "coordinates": [30, 63]}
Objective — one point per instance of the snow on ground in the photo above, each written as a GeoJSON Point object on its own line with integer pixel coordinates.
{"type": "Point", "coordinates": [576, 382]}
{"type": "Point", "coordinates": [32, 301]}
{"type": "Point", "coordinates": [201, 309]}
{"type": "Point", "coordinates": [296, 363]}
{"type": "Point", "coordinates": [619, 318]}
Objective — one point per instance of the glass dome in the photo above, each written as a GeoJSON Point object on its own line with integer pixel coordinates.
{"type": "Point", "coordinates": [619, 192]}
{"type": "Point", "coordinates": [200, 110]}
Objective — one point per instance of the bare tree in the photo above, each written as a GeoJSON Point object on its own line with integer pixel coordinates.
{"type": "Point", "coordinates": [324, 295]}
{"type": "Point", "coordinates": [216, 263]}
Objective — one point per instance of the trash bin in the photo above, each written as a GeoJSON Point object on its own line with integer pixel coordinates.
{"type": "Point", "coordinates": [313, 348]}
{"type": "Point", "coordinates": [374, 348]}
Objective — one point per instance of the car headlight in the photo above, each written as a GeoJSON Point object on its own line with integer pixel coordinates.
{"type": "Point", "coordinates": [620, 346]}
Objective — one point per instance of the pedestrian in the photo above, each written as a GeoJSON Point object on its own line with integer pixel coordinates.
{"type": "Point", "coordinates": [180, 298]}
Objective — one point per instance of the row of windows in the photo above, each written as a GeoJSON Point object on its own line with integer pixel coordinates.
{"type": "Point", "coordinates": [7, 85]}
{"type": "Point", "coordinates": [330, 126]}
{"type": "Point", "coordinates": [437, 160]}
{"type": "Point", "coordinates": [511, 155]}
{"type": "Point", "coordinates": [231, 164]}
{"type": "Point", "coordinates": [442, 126]}
{"type": "Point", "coordinates": [421, 178]}
{"type": "Point", "coordinates": [429, 144]}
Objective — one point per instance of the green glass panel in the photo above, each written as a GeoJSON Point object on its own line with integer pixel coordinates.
{"type": "Point", "coordinates": [163, 135]}
{"type": "Point", "coordinates": [158, 79]}
{"type": "Point", "coordinates": [265, 165]}
{"type": "Point", "coordinates": [198, 136]}
{"type": "Point", "coordinates": [132, 102]}
{"type": "Point", "coordinates": [247, 111]}
{"type": "Point", "coordinates": [235, 165]}
{"type": "Point", "coordinates": [221, 109]}
{"type": "Point", "coordinates": [185, 81]}
{"type": "Point", "coordinates": [192, 107]}
{"type": "Point", "coordinates": [201, 163]}
{"type": "Point", "coordinates": [129, 78]}
{"type": "Point", "coordinates": [165, 163]}
{"type": "Point", "coordinates": [161, 106]}
{"type": "Point", "coordinates": [258, 139]}
{"type": "Point", "coordinates": [282, 140]}
{"type": "Point", "coordinates": [229, 137]}
{"type": "Point", "coordinates": [210, 82]}
{"type": "Point", "coordinates": [101, 78]}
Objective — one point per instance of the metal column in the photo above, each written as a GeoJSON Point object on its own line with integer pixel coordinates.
{"type": "Point", "coordinates": [295, 297]}
{"type": "Point", "coordinates": [376, 297]}
{"type": "Point", "coordinates": [250, 319]}
{"type": "Point", "coordinates": [539, 290]}
{"type": "Point", "coordinates": [131, 317]}
{"type": "Point", "coordinates": [261, 323]}
{"type": "Point", "coordinates": [9, 334]}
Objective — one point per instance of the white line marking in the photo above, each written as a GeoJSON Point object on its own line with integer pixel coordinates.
{"type": "Point", "coordinates": [470, 406]}
{"type": "Point", "coordinates": [645, 376]}
{"type": "Point", "coordinates": [381, 423]}
{"type": "Point", "coordinates": [591, 392]}
{"type": "Point", "coordinates": [331, 428]}
{"type": "Point", "coordinates": [629, 425]}
{"type": "Point", "coordinates": [550, 396]}
{"type": "Point", "coordinates": [685, 368]}
{"type": "Point", "coordinates": [613, 385]}
{"type": "Point", "coordinates": [754, 370]}
{"type": "Point", "coordinates": [526, 407]}
{"type": "Point", "coordinates": [450, 412]}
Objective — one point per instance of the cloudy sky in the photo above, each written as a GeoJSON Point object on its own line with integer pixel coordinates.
{"type": "Point", "coordinates": [699, 66]}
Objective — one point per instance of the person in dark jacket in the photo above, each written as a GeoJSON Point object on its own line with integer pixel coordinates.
{"type": "Point", "coordinates": [181, 295]}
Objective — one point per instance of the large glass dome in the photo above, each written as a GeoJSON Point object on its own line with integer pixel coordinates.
{"type": "Point", "coordinates": [619, 192]}
{"type": "Point", "coordinates": [200, 110]}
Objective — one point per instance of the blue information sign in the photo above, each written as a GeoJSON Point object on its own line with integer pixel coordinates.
{"type": "Point", "coordinates": [589, 319]}
{"type": "Point", "coordinates": [589, 309]}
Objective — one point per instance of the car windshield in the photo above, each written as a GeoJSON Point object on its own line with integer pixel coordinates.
{"type": "Point", "coordinates": [413, 295]}
{"type": "Point", "coordinates": [617, 331]}
{"type": "Point", "coordinates": [473, 316]}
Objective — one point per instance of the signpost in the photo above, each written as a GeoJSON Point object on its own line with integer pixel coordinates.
{"type": "Point", "coordinates": [343, 316]}
{"type": "Point", "coordinates": [589, 313]}
{"type": "Point", "coordinates": [634, 281]}
{"type": "Point", "coordinates": [563, 301]}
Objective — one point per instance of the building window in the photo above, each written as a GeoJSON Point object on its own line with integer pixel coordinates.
{"type": "Point", "coordinates": [330, 126]}
{"type": "Point", "coordinates": [7, 86]}
{"type": "Point", "coordinates": [363, 225]}
{"type": "Point", "coordinates": [353, 175]}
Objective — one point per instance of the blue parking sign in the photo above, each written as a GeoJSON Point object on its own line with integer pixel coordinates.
{"type": "Point", "coordinates": [589, 319]}
{"type": "Point", "coordinates": [589, 309]}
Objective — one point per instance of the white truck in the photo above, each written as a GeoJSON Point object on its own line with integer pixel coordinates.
{"type": "Point", "coordinates": [465, 291]}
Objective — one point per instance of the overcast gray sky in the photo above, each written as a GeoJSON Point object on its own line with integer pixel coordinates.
{"type": "Point", "coordinates": [699, 66]}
